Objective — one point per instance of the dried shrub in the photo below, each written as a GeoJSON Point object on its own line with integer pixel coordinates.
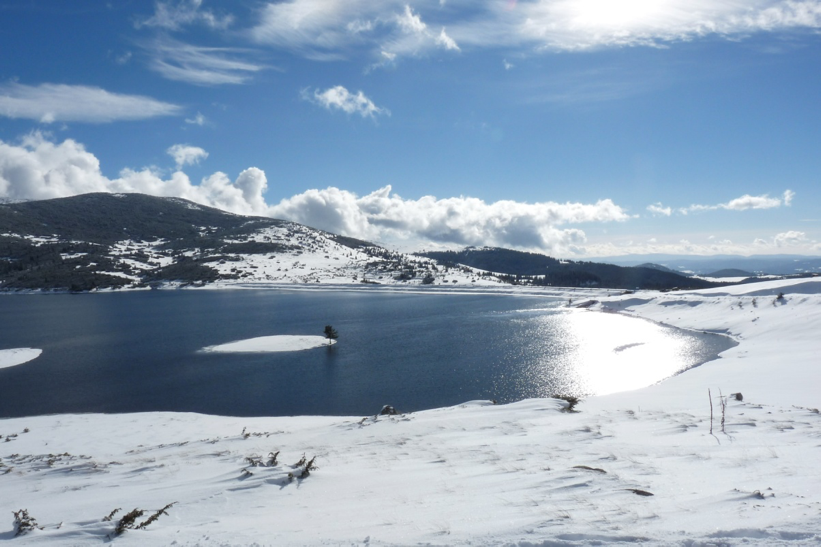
{"type": "Point", "coordinates": [23, 522]}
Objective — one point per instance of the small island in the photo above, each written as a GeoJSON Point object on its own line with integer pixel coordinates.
{"type": "Point", "coordinates": [271, 344]}
{"type": "Point", "coordinates": [18, 356]}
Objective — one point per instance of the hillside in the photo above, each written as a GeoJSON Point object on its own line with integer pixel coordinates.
{"type": "Point", "coordinates": [98, 241]}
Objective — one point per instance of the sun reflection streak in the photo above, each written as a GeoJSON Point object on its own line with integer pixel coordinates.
{"type": "Point", "coordinates": [597, 353]}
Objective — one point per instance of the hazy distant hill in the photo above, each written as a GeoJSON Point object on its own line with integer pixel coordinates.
{"type": "Point", "coordinates": [704, 265]}
{"type": "Point", "coordinates": [538, 269]}
{"type": "Point", "coordinates": [729, 272]}
{"type": "Point", "coordinates": [658, 267]}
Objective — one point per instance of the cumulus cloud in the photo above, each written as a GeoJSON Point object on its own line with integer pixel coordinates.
{"type": "Point", "coordinates": [38, 168]}
{"type": "Point", "coordinates": [659, 209]}
{"type": "Point", "coordinates": [332, 28]}
{"type": "Point", "coordinates": [744, 203]}
{"type": "Point", "coordinates": [49, 103]}
{"type": "Point", "coordinates": [184, 154]}
{"type": "Point", "coordinates": [463, 220]}
{"type": "Point", "coordinates": [339, 98]}
{"type": "Point", "coordinates": [197, 65]}
{"type": "Point", "coordinates": [175, 15]}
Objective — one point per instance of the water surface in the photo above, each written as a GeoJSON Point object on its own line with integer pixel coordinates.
{"type": "Point", "coordinates": [139, 351]}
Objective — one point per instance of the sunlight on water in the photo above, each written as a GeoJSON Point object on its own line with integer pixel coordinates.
{"type": "Point", "coordinates": [597, 353]}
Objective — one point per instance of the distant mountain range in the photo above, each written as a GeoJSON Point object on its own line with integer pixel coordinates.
{"type": "Point", "coordinates": [706, 265]}
{"type": "Point", "coordinates": [538, 269]}
{"type": "Point", "coordinates": [99, 241]}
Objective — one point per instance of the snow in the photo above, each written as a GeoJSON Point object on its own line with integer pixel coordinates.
{"type": "Point", "coordinates": [270, 344]}
{"type": "Point", "coordinates": [18, 356]}
{"type": "Point", "coordinates": [524, 474]}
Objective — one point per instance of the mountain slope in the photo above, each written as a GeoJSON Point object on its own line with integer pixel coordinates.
{"type": "Point", "coordinates": [97, 241]}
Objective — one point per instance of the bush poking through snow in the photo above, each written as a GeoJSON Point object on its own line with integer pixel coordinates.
{"type": "Point", "coordinates": [129, 520]}
{"type": "Point", "coordinates": [110, 516]}
{"type": "Point", "coordinates": [310, 466]}
{"type": "Point", "coordinates": [570, 400]}
{"type": "Point", "coordinates": [388, 410]}
{"type": "Point", "coordinates": [23, 522]}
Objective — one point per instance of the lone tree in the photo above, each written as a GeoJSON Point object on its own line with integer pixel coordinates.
{"type": "Point", "coordinates": [330, 333]}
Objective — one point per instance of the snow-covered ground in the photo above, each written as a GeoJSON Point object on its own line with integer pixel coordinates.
{"type": "Point", "coordinates": [635, 467]}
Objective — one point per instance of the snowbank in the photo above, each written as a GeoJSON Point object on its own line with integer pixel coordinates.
{"type": "Point", "coordinates": [18, 356]}
{"type": "Point", "coordinates": [270, 344]}
{"type": "Point", "coordinates": [647, 466]}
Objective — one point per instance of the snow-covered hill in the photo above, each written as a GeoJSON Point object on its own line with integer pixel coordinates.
{"type": "Point", "coordinates": [98, 241]}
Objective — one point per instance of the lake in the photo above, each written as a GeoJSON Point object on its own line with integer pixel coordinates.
{"type": "Point", "coordinates": [140, 351]}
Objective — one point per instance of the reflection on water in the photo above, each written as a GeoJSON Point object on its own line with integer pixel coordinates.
{"type": "Point", "coordinates": [579, 352]}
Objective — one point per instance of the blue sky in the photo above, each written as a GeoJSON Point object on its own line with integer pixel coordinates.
{"type": "Point", "coordinates": [578, 128]}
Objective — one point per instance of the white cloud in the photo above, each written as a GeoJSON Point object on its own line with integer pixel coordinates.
{"type": "Point", "coordinates": [336, 29]}
{"type": "Point", "coordinates": [182, 62]}
{"type": "Point", "coordinates": [37, 168]}
{"type": "Point", "coordinates": [658, 209]}
{"type": "Point", "coordinates": [445, 41]}
{"type": "Point", "coordinates": [199, 119]}
{"type": "Point", "coordinates": [789, 239]}
{"type": "Point", "coordinates": [340, 98]}
{"type": "Point", "coordinates": [385, 216]}
{"type": "Point", "coordinates": [323, 27]}
{"type": "Point", "coordinates": [788, 195]}
{"type": "Point", "coordinates": [507, 65]}
{"type": "Point", "coordinates": [184, 154]}
{"type": "Point", "coordinates": [744, 203]}
{"type": "Point", "coordinates": [410, 22]}
{"type": "Point", "coordinates": [174, 16]}
{"type": "Point", "coordinates": [49, 103]}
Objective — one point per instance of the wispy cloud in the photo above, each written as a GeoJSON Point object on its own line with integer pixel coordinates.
{"type": "Point", "coordinates": [660, 210]}
{"type": "Point", "coordinates": [185, 154]}
{"type": "Point", "coordinates": [336, 27]}
{"type": "Point", "coordinates": [745, 203]}
{"type": "Point", "coordinates": [175, 15]}
{"type": "Point", "coordinates": [199, 119]}
{"type": "Point", "coordinates": [49, 103]}
{"type": "Point", "coordinates": [201, 65]}
{"type": "Point", "coordinates": [339, 98]}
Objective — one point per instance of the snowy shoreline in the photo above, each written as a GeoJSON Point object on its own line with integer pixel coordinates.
{"type": "Point", "coordinates": [481, 474]}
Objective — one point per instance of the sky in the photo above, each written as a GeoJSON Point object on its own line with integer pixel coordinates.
{"type": "Point", "coordinates": [576, 128]}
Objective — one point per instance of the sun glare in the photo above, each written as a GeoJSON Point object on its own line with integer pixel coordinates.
{"type": "Point", "coordinates": [626, 14]}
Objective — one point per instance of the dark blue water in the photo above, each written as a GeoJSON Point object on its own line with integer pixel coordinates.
{"type": "Point", "coordinates": [139, 351]}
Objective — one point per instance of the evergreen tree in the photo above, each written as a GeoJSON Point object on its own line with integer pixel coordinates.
{"type": "Point", "coordinates": [330, 333]}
